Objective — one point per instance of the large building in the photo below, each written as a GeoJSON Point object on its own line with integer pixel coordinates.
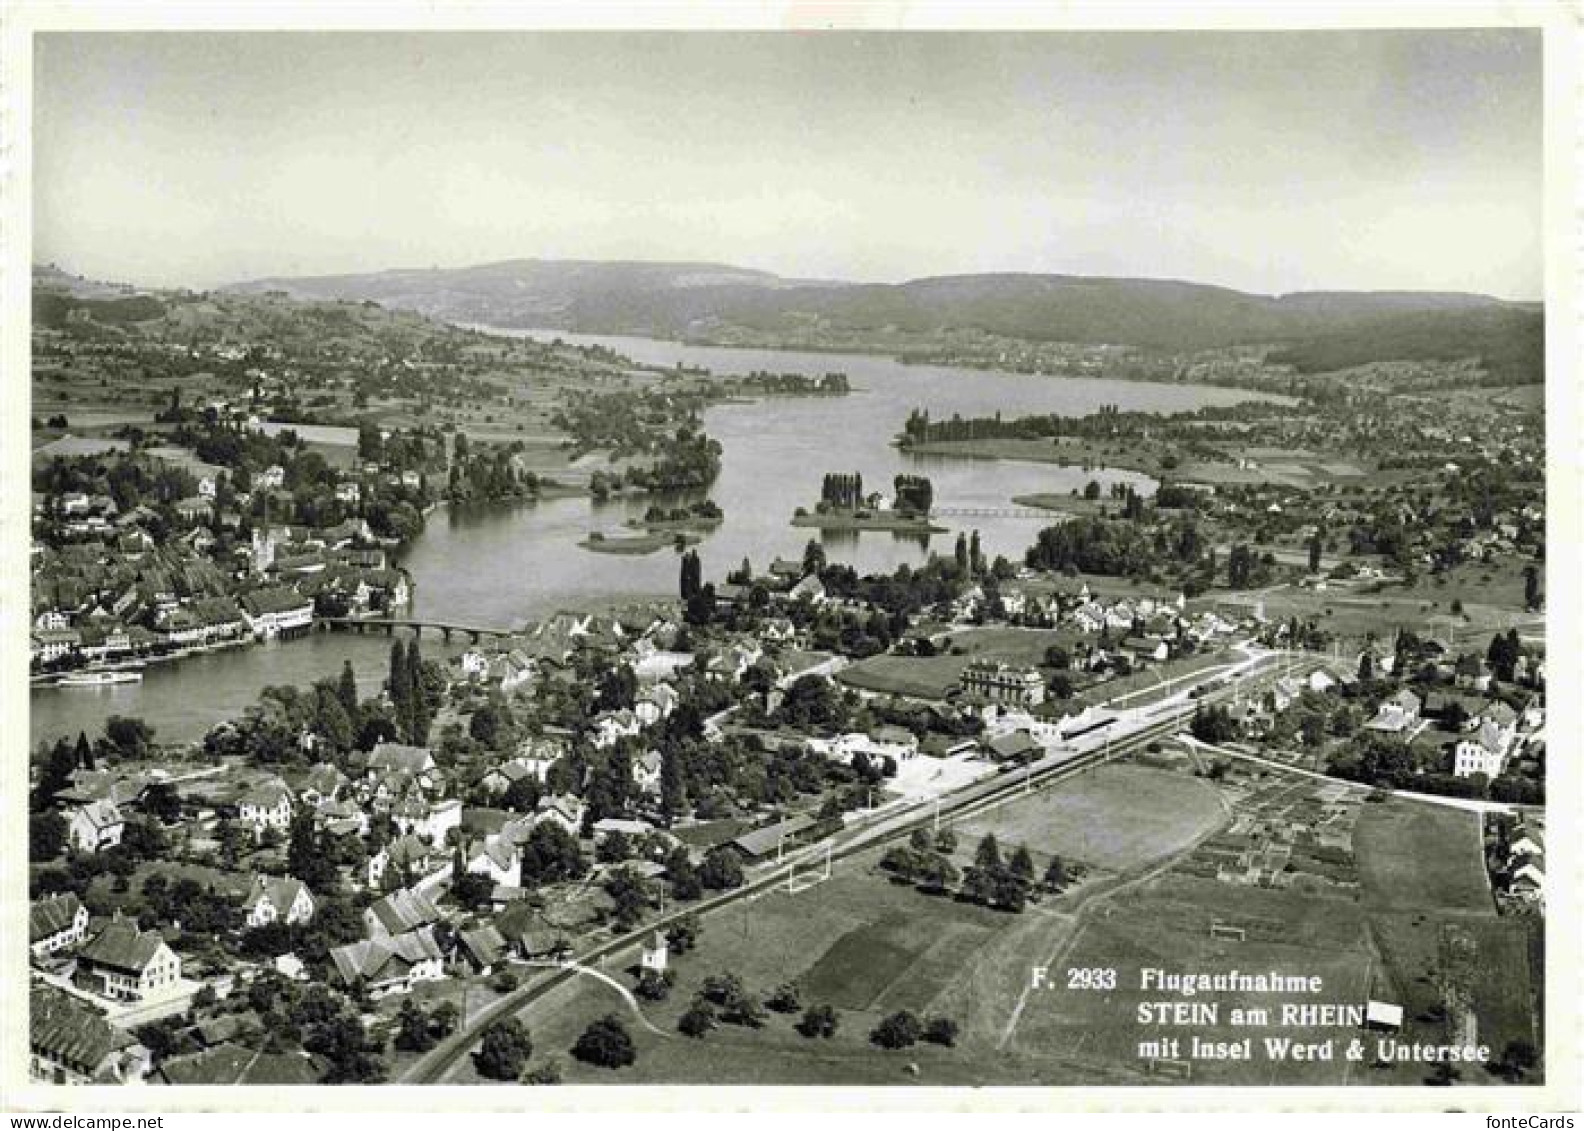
{"type": "Point", "coordinates": [126, 964]}
{"type": "Point", "coordinates": [71, 1042]}
{"type": "Point", "coordinates": [1001, 683]}
{"type": "Point", "coordinates": [271, 612]}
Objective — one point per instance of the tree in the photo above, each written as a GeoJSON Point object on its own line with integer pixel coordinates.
{"type": "Point", "coordinates": [630, 894]}
{"type": "Point", "coordinates": [162, 802]}
{"type": "Point", "coordinates": [347, 691]}
{"type": "Point", "coordinates": [682, 936]}
{"type": "Point", "coordinates": [1316, 543]}
{"type": "Point", "coordinates": [1055, 874]}
{"type": "Point", "coordinates": [1022, 864]}
{"type": "Point", "coordinates": [654, 985]}
{"type": "Point", "coordinates": [606, 1043]}
{"type": "Point", "coordinates": [129, 736]}
{"type": "Point", "coordinates": [444, 1019]}
{"type": "Point", "coordinates": [551, 855]}
{"type": "Point", "coordinates": [305, 855]}
{"type": "Point", "coordinates": [691, 580]}
{"type": "Point", "coordinates": [46, 835]}
{"type": "Point", "coordinates": [505, 1050]}
{"type": "Point", "coordinates": [1532, 595]}
{"type": "Point", "coordinates": [818, 1021]}
{"type": "Point", "coordinates": [1366, 666]}
{"type": "Point", "coordinates": [682, 875]}
{"type": "Point", "coordinates": [941, 1031]}
{"type": "Point", "coordinates": [698, 1020]}
{"type": "Point", "coordinates": [473, 890]}
{"type": "Point", "coordinates": [412, 1029]}
{"type": "Point", "coordinates": [722, 869]}
{"type": "Point", "coordinates": [784, 999]}
{"type": "Point", "coordinates": [987, 857]}
{"type": "Point", "coordinates": [898, 1031]}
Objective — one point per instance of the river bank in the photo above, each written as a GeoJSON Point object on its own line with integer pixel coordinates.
{"type": "Point", "coordinates": [517, 560]}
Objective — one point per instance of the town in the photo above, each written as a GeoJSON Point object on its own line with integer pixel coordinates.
{"type": "Point", "coordinates": [337, 887]}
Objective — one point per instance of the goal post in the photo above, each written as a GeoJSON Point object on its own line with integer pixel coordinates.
{"type": "Point", "coordinates": [802, 882]}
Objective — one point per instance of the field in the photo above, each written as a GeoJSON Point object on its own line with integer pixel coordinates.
{"type": "Point", "coordinates": [1166, 925]}
{"type": "Point", "coordinates": [1423, 877]}
{"type": "Point", "coordinates": [869, 947]}
{"type": "Point", "coordinates": [1077, 820]}
{"type": "Point", "coordinates": [1417, 855]}
{"type": "Point", "coordinates": [931, 677]}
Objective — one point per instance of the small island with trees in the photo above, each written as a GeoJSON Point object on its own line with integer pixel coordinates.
{"type": "Point", "coordinates": [843, 505]}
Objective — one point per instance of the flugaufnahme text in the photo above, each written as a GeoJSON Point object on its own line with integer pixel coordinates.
{"type": "Point", "coordinates": [1231, 981]}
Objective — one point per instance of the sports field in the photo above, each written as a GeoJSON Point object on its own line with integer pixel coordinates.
{"type": "Point", "coordinates": [1115, 817]}
{"type": "Point", "coordinates": [869, 947]}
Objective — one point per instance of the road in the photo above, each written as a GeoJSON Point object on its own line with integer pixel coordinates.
{"type": "Point", "coordinates": [1125, 733]}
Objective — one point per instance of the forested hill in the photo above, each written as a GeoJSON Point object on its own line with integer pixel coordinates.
{"type": "Point", "coordinates": [717, 302]}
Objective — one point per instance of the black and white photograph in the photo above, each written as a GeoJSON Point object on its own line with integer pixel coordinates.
{"type": "Point", "coordinates": [823, 553]}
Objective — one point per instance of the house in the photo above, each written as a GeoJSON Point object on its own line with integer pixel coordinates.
{"type": "Point", "coordinates": [266, 806]}
{"type": "Point", "coordinates": [51, 644]}
{"type": "Point", "coordinates": [1485, 752]}
{"type": "Point", "coordinates": [390, 964]}
{"type": "Point", "coordinates": [1014, 746]}
{"type": "Point", "coordinates": [1144, 648]}
{"type": "Point", "coordinates": [391, 757]}
{"type": "Point", "coordinates": [614, 725]}
{"type": "Point", "coordinates": [227, 1063]}
{"type": "Point", "coordinates": [481, 948]}
{"type": "Point", "coordinates": [655, 953]}
{"type": "Point", "coordinates": [762, 843]}
{"type": "Point", "coordinates": [323, 783]}
{"type": "Point", "coordinates": [564, 809]}
{"type": "Point", "coordinates": [810, 589]}
{"type": "Point", "coordinates": [278, 899]}
{"type": "Point", "coordinates": [72, 1042]}
{"type": "Point", "coordinates": [498, 779]}
{"type": "Point", "coordinates": [56, 922]}
{"type": "Point", "coordinates": [1001, 683]}
{"type": "Point", "coordinates": [400, 913]}
{"type": "Point", "coordinates": [432, 819]}
{"type": "Point", "coordinates": [271, 477]}
{"type": "Point", "coordinates": [127, 964]}
{"type": "Point", "coordinates": [496, 858]}
{"type": "Point", "coordinates": [276, 610]}
{"type": "Point", "coordinates": [646, 772]}
{"type": "Point", "coordinates": [1397, 714]}
{"type": "Point", "coordinates": [95, 826]}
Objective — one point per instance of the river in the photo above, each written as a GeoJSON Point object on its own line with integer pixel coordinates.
{"type": "Point", "coordinates": [502, 564]}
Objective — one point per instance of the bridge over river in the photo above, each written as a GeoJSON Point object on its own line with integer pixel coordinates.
{"type": "Point", "coordinates": [416, 625]}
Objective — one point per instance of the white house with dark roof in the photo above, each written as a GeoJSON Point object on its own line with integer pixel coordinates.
{"type": "Point", "coordinates": [278, 899]}
{"type": "Point", "coordinates": [95, 826]}
{"type": "Point", "coordinates": [126, 964]}
{"type": "Point", "coordinates": [390, 964]}
{"type": "Point", "coordinates": [56, 922]}
{"type": "Point", "coordinates": [393, 757]}
{"type": "Point", "coordinates": [265, 806]}
{"type": "Point", "coordinates": [72, 1042]}
{"type": "Point", "coordinates": [399, 913]}
{"type": "Point", "coordinates": [496, 858]}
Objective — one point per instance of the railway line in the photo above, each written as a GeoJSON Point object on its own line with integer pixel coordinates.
{"type": "Point", "coordinates": [1105, 744]}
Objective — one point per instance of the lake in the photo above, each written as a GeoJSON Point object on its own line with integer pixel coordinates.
{"type": "Point", "coordinates": [500, 564]}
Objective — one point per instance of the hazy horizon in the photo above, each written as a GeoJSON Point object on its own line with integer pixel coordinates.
{"type": "Point", "coordinates": [1264, 162]}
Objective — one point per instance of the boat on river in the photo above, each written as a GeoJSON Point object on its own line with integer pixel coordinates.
{"type": "Point", "coordinates": [98, 679]}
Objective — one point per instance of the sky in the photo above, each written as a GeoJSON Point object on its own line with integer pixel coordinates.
{"type": "Point", "coordinates": [1268, 162]}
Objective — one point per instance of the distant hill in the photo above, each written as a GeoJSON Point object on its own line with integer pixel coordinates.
{"type": "Point", "coordinates": [703, 300]}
